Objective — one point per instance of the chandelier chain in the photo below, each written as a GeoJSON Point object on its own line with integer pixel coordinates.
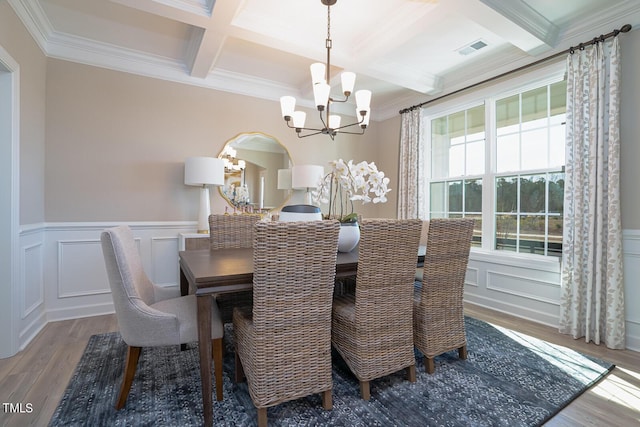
{"type": "Point", "coordinates": [328, 43]}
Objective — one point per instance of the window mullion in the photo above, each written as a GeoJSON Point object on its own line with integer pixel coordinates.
{"type": "Point", "coordinates": [488, 179]}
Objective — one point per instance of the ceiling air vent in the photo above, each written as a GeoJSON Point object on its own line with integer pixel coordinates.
{"type": "Point", "coordinates": [473, 47]}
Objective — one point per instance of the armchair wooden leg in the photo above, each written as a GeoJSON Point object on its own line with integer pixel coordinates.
{"type": "Point", "coordinates": [327, 400]}
{"type": "Point", "coordinates": [429, 365]}
{"type": "Point", "coordinates": [364, 390]}
{"type": "Point", "coordinates": [462, 352]}
{"type": "Point", "coordinates": [133, 354]}
{"type": "Point", "coordinates": [411, 373]}
{"type": "Point", "coordinates": [216, 350]}
{"type": "Point", "coordinates": [239, 372]}
{"type": "Point", "coordinates": [262, 417]}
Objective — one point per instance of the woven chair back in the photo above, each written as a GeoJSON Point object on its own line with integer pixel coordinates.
{"type": "Point", "coordinates": [386, 270]}
{"type": "Point", "coordinates": [231, 231]}
{"type": "Point", "coordinates": [446, 259]}
{"type": "Point", "coordinates": [293, 279]}
{"type": "Point", "coordinates": [439, 311]}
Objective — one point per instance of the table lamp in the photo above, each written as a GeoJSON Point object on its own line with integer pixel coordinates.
{"type": "Point", "coordinates": [306, 177]}
{"type": "Point", "coordinates": [202, 172]}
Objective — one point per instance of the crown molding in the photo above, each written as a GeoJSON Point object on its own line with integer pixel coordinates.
{"type": "Point", "coordinates": [35, 20]}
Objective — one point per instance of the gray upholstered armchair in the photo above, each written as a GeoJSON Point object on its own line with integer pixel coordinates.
{"type": "Point", "coordinates": [148, 315]}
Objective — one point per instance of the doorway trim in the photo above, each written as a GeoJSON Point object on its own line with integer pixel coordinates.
{"type": "Point", "coordinates": [9, 217]}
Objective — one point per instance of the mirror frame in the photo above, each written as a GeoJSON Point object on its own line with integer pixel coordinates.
{"type": "Point", "coordinates": [274, 139]}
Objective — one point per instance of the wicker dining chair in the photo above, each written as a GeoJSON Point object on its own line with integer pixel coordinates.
{"type": "Point", "coordinates": [232, 231]}
{"type": "Point", "coordinates": [438, 317]}
{"type": "Point", "coordinates": [372, 329]}
{"type": "Point", "coordinates": [423, 242]}
{"type": "Point", "coordinates": [283, 345]}
{"type": "Point", "coordinates": [149, 315]}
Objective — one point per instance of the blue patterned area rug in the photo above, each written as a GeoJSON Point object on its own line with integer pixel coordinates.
{"type": "Point", "coordinates": [509, 379]}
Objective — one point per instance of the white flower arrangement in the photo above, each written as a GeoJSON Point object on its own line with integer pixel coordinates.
{"type": "Point", "coordinates": [238, 195]}
{"type": "Point", "coordinates": [349, 182]}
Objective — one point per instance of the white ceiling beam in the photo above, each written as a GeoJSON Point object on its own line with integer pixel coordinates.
{"type": "Point", "coordinates": [513, 21]}
{"type": "Point", "coordinates": [214, 36]}
{"type": "Point", "coordinates": [174, 10]}
{"type": "Point", "coordinates": [527, 18]}
{"type": "Point", "coordinates": [212, 24]}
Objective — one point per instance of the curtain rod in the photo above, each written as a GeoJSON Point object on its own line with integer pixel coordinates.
{"type": "Point", "coordinates": [625, 29]}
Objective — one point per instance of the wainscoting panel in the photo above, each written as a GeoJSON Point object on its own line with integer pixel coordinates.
{"type": "Point", "coordinates": [33, 280]}
{"type": "Point", "coordinates": [75, 274]}
{"type": "Point", "coordinates": [631, 250]}
{"type": "Point", "coordinates": [523, 286]}
{"type": "Point", "coordinates": [31, 284]}
{"type": "Point", "coordinates": [163, 249]}
{"type": "Point", "coordinates": [81, 270]}
{"type": "Point", "coordinates": [512, 285]}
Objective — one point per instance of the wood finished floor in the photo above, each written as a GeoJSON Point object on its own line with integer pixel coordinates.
{"type": "Point", "coordinates": [39, 374]}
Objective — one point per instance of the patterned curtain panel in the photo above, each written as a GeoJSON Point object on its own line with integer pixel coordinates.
{"type": "Point", "coordinates": [411, 199]}
{"type": "Point", "coordinates": [592, 304]}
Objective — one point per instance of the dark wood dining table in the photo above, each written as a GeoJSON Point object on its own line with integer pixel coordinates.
{"type": "Point", "coordinates": [221, 271]}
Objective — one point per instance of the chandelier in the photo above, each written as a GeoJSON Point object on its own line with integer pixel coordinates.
{"type": "Point", "coordinates": [231, 164]}
{"type": "Point", "coordinates": [321, 80]}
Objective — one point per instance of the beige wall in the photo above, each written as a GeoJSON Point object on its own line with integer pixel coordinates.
{"type": "Point", "coordinates": [630, 131]}
{"type": "Point", "coordinates": [15, 39]}
{"type": "Point", "coordinates": [116, 143]}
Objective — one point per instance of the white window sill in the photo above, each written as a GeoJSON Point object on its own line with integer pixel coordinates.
{"type": "Point", "coordinates": [530, 261]}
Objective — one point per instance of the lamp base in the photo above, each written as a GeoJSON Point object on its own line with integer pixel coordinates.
{"type": "Point", "coordinates": [205, 211]}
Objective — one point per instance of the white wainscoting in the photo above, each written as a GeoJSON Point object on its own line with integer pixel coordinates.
{"type": "Point", "coordinates": [530, 288]}
{"type": "Point", "coordinates": [631, 251]}
{"type": "Point", "coordinates": [515, 284]}
{"type": "Point", "coordinates": [63, 275]}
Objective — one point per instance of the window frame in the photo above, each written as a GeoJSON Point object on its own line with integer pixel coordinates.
{"type": "Point", "coordinates": [489, 95]}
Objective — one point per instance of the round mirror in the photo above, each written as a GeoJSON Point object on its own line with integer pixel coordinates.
{"type": "Point", "coordinates": [252, 161]}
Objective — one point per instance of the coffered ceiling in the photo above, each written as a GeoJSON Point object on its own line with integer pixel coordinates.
{"type": "Point", "coordinates": [404, 51]}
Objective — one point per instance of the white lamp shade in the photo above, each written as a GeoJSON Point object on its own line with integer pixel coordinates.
{"type": "Point", "coordinates": [284, 179]}
{"type": "Point", "coordinates": [306, 176]}
{"type": "Point", "coordinates": [321, 94]}
{"type": "Point", "coordinates": [287, 105]}
{"type": "Point", "coordinates": [299, 118]}
{"type": "Point", "coordinates": [203, 171]}
{"type": "Point", "coordinates": [318, 73]}
{"type": "Point", "coordinates": [348, 80]}
{"type": "Point", "coordinates": [363, 99]}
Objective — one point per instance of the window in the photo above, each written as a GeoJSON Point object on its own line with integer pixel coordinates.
{"type": "Point", "coordinates": [501, 162]}
{"type": "Point", "coordinates": [457, 166]}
